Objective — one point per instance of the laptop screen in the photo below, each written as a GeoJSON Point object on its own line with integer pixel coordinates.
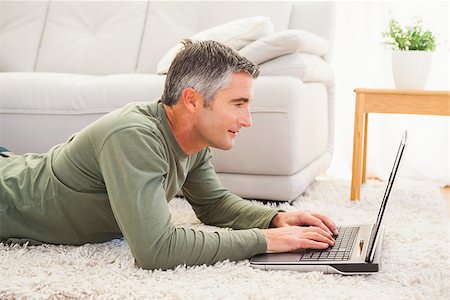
{"type": "Point", "coordinates": [377, 226]}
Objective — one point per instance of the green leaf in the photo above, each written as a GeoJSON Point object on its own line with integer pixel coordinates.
{"type": "Point", "coordinates": [412, 37]}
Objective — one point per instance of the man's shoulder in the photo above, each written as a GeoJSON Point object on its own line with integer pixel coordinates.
{"type": "Point", "coordinates": [133, 117]}
{"type": "Point", "coordinates": [136, 114]}
{"type": "Point", "coordinates": [142, 114]}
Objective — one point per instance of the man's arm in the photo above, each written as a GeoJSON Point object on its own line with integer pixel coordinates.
{"type": "Point", "coordinates": [214, 205]}
{"type": "Point", "coordinates": [134, 169]}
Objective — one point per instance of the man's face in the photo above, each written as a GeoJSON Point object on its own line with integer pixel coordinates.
{"type": "Point", "coordinates": [218, 124]}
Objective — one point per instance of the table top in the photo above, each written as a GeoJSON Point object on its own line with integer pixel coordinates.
{"type": "Point", "coordinates": [404, 101]}
{"type": "Point", "coordinates": [402, 92]}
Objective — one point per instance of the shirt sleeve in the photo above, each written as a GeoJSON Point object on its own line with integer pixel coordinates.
{"type": "Point", "coordinates": [214, 205]}
{"type": "Point", "coordinates": [134, 168]}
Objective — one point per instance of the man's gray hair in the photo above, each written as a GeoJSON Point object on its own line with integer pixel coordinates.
{"type": "Point", "coordinates": [205, 66]}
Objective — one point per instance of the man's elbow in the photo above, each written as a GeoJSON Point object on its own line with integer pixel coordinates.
{"type": "Point", "coordinates": [150, 265]}
{"type": "Point", "coordinates": [155, 258]}
{"type": "Point", "coordinates": [147, 261]}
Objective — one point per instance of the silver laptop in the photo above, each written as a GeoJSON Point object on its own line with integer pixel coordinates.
{"type": "Point", "coordinates": [357, 249]}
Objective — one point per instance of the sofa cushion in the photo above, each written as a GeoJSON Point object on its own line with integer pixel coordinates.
{"type": "Point", "coordinates": [74, 94]}
{"type": "Point", "coordinates": [92, 37]}
{"type": "Point", "coordinates": [21, 26]}
{"type": "Point", "coordinates": [235, 34]}
{"type": "Point", "coordinates": [285, 42]}
{"type": "Point", "coordinates": [214, 13]}
{"type": "Point", "coordinates": [304, 66]}
{"type": "Point", "coordinates": [161, 30]}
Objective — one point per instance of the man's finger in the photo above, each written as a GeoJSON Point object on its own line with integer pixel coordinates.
{"type": "Point", "coordinates": [310, 244]}
{"type": "Point", "coordinates": [315, 234]}
{"type": "Point", "coordinates": [315, 221]}
{"type": "Point", "coordinates": [328, 223]}
{"type": "Point", "coordinates": [321, 235]}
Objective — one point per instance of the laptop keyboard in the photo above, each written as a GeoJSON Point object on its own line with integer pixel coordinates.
{"type": "Point", "coordinates": [340, 251]}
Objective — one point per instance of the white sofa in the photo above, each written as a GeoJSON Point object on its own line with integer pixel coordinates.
{"type": "Point", "coordinates": [64, 64]}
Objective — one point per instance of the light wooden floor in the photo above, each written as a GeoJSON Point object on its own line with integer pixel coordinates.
{"type": "Point", "coordinates": [446, 195]}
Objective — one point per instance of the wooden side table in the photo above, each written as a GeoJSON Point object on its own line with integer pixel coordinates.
{"type": "Point", "coordinates": [390, 102]}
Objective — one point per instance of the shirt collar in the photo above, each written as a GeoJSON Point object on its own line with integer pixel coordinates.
{"type": "Point", "coordinates": [167, 130]}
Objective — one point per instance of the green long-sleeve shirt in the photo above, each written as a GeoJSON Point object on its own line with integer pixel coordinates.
{"type": "Point", "coordinates": [115, 178]}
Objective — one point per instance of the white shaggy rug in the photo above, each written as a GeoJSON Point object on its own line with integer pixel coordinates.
{"type": "Point", "coordinates": [415, 260]}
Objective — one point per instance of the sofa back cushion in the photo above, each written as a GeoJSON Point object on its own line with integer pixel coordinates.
{"type": "Point", "coordinates": [92, 37]}
{"type": "Point", "coordinates": [236, 34]}
{"type": "Point", "coordinates": [110, 37]}
{"type": "Point", "coordinates": [169, 22]}
{"type": "Point", "coordinates": [20, 33]}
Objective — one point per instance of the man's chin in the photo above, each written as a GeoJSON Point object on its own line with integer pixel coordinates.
{"type": "Point", "coordinates": [224, 147]}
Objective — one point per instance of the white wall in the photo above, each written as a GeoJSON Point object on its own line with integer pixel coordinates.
{"type": "Point", "coordinates": [359, 60]}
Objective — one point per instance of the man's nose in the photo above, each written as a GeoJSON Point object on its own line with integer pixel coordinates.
{"type": "Point", "coordinates": [246, 119]}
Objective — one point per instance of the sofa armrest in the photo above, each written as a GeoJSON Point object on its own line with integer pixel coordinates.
{"type": "Point", "coordinates": [287, 115]}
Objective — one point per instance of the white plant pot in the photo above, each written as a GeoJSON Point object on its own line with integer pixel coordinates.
{"type": "Point", "coordinates": [411, 68]}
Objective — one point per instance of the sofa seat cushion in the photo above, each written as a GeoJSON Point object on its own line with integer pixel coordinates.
{"type": "Point", "coordinates": [286, 112]}
{"type": "Point", "coordinates": [64, 93]}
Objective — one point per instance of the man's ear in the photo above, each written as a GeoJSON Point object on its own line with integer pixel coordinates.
{"type": "Point", "coordinates": [191, 99]}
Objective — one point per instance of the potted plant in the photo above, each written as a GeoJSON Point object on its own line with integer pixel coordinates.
{"type": "Point", "coordinates": [411, 47]}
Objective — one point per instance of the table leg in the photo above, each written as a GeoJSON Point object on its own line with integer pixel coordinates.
{"type": "Point", "coordinates": [357, 144]}
{"type": "Point", "coordinates": [364, 160]}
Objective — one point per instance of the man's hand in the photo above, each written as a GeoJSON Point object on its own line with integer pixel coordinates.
{"type": "Point", "coordinates": [294, 238]}
{"type": "Point", "coordinates": [299, 230]}
{"type": "Point", "coordinates": [304, 218]}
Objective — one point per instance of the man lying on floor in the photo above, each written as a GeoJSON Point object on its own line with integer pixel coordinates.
{"type": "Point", "coordinates": [115, 177]}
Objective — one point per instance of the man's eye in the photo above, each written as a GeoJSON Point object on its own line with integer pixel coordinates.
{"type": "Point", "coordinates": [239, 104]}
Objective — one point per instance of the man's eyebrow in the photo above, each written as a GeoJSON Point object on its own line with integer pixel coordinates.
{"type": "Point", "coordinates": [242, 99]}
